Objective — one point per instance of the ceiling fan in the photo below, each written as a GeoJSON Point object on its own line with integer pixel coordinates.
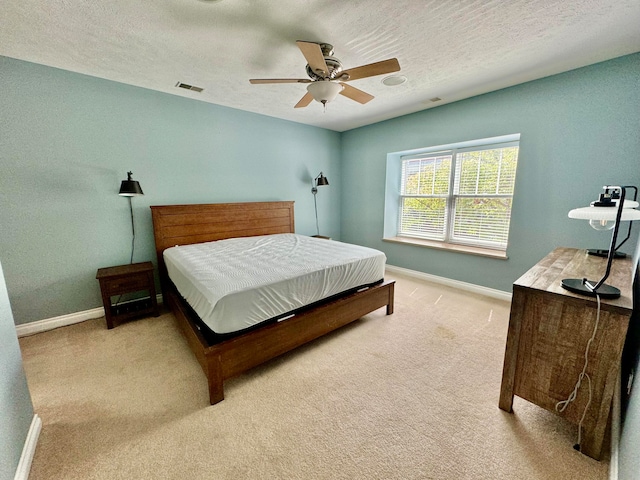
{"type": "Point", "coordinates": [327, 78]}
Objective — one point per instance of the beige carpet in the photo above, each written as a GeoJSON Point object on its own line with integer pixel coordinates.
{"type": "Point", "coordinates": [408, 396]}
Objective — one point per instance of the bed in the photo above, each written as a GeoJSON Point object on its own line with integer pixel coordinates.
{"type": "Point", "coordinates": [227, 355]}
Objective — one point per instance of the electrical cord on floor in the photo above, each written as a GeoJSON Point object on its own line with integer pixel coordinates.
{"type": "Point", "coordinates": [562, 405]}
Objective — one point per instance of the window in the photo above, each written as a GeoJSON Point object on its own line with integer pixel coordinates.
{"type": "Point", "coordinates": [459, 195]}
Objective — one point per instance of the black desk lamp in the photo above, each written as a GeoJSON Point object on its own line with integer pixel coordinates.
{"type": "Point", "coordinates": [319, 181]}
{"type": "Point", "coordinates": [608, 211]}
{"type": "Point", "coordinates": [131, 188]}
{"type": "Point", "coordinates": [608, 199]}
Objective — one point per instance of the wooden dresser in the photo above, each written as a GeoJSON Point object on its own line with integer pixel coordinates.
{"type": "Point", "coordinates": [548, 333]}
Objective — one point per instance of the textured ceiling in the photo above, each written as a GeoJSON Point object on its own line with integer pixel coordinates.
{"type": "Point", "coordinates": [446, 49]}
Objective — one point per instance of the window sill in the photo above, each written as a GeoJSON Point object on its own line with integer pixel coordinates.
{"type": "Point", "coordinates": [451, 247]}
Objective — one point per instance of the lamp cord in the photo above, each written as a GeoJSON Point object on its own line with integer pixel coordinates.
{"type": "Point", "coordinates": [133, 230]}
{"type": "Point", "coordinates": [133, 242]}
{"type": "Point", "coordinates": [562, 405]}
{"type": "Point", "coordinates": [315, 204]}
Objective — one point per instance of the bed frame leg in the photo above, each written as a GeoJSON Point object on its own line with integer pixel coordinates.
{"type": "Point", "coordinates": [391, 297]}
{"type": "Point", "coordinates": [214, 376]}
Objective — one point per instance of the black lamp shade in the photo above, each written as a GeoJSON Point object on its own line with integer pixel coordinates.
{"type": "Point", "coordinates": [129, 187]}
{"type": "Point", "coordinates": [321, 180]}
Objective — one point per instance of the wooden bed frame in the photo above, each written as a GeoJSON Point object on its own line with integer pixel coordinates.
{"type": "Point", "coordinates": [187, 224]}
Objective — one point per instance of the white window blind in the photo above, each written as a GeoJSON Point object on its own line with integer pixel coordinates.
{"type": "Point", "coordinates": [424, 190]}
{"type": "Point", "coordinates": [460, 195]}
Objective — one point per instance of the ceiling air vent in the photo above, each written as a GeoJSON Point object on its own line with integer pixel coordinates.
{"type": "Point", "coordinates": [189, 87]}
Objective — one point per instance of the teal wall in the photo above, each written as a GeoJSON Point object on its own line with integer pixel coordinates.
{"type": "Point", "coordinates": [579, 131]}
{"type": "Point", "coordinates": [15, 400]}
{"type": "Point", "coordinates": [68, 140]}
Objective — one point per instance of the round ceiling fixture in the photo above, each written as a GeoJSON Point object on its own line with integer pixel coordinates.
{"type": "Point", "coordinates": [394, 80]}
{"type": "Point", "coordinates": [324, 91]}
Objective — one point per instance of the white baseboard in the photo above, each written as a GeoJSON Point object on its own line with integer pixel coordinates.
{"type": "Point", "coordinates": [40, 326]}
{"type": "Point", "coordinates": [469, 287]}
{"type": "Point", "coordinates": [55, 322]}
{"type": "Point", "coordinates": [615, 431]}
{"type": "Point", "coordinates": [29, 450]}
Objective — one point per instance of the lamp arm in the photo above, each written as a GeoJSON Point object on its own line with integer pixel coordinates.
{"type": "Point", "coordinates": [315, 204]}
{"type": "Point", "coordinates": [635, 197]}
{"type": "Point", "coordinates": [133, 230]}
{"type": "Point", "coordinates": [614, 239]}
{"type": "Point", "coordinates": [626, 238]}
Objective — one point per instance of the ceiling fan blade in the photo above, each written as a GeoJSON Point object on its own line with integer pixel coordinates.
{"type": "Point", "coordinates": [355, 94]}
{"type": "Point", "coordinates": [313, 54]}
{"type": "Point", "coordinates": [304, 101]}
{"type": "Point", "coordinates": [373, 69]}
{"type": "Point", "coordinates": [257, 81]}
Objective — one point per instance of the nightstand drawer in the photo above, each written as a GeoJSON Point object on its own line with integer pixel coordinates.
{"type": "Point", "coordinates": [116, 286]}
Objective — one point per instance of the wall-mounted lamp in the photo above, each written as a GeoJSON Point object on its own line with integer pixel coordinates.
{"type": "Point", "coordinates": [600, 212]}
{"type": "Point", "coordinates": [130, 188]}
{"type": "Point", "coordinates": [319, 181]}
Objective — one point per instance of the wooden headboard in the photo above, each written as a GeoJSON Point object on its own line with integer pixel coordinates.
{"type": "Point", "coordinates": [187, 224]}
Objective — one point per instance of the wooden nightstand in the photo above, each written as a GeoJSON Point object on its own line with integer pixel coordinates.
{"type": "Point", "coordinates": [123, 279]}
{"type": "Point", "coordinates": [549, 330]}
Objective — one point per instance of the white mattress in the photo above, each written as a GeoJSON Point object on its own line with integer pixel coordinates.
{"type": "Point", "coordinates": [236, 283]}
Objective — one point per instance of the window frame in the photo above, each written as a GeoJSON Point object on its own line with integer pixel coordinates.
{"type": "Point", "coordinates": [451, 198]}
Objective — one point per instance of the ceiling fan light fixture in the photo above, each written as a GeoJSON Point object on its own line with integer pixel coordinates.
{"type": "Point", "coordinates": [324, 91]}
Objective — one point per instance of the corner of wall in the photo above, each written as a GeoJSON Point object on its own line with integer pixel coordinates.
{"type": "Point", "coordinates": [29, 450]}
